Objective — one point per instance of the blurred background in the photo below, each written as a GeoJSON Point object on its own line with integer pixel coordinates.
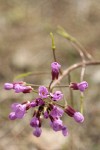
{"type": "Point", "coordinates": [25, 46]}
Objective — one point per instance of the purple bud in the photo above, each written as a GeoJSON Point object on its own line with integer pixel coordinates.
{"type": "Point", "coordinates": [37, 132]}
{"type": "Point", "coordinates": [56, 125]}
{"type": "Point", "coordinates": [64, 131]}
{"type": "Point", "coordinates": [56, 112]}
{"type": "Point", "coordinates": [8, 86]}
{"type": "Point", "coordinates": [20, 111]}
{"type": "Point", "coordinates": [12, 116]}
{"type": "Point", "coordinates": [78, 117]}
{"type": "Point", "coordinates": [55, 70]}
{"type": "Point", "coordinates": [82, 86]}
{"type": "Point", "coordinates": [34, 122]}
{"type": "Point", "coordinates": [43, 92]}
{"type": "Point", "coordinates": [56, 96]}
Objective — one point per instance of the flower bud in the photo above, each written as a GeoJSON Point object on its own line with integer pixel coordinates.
{"type": "Point", "coordinates": [79, 86]}
{"type": "Point", "coordinates": [55, 70]}
{"type": "Point", "coordinates": [78, 117]}
{"type": "Point", "coordinates": [8, 86]}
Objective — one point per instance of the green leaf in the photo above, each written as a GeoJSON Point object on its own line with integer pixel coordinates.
{"type": "Point", "coordinates": [23, 75]}
{"type": "Point", "coordinates": [61, 31]}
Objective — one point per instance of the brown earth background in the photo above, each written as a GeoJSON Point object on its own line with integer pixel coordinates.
{"type": "Point", "coordinates": [25, 46]}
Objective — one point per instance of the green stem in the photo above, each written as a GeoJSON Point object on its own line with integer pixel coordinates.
{"type": "Point", "coordinates": [35, 91]}
{"type": "Point", "coordinates": [49, 88]}
{"type": "Point", "coordinates": [81, 102]}
{"type": "Point", "coordinates": [62, 86]}
{"type": "Point", "coordinates": [33, 85]}
{"type": "Point", "coordinates": [70, 90]}
{"type": "Point", "coordinates": [57, 86]}
{"type": "Point", "coordinates": [54, 55]}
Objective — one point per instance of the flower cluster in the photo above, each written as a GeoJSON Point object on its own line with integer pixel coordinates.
{"type": "Point", "coordinates": [45, 104]}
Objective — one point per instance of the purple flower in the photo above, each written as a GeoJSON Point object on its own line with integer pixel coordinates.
{"type": "Point", "coordinates": [37, 132]}
{"type": "Point", "coordinates": [56, 96]}
{"type": "Point", "coordinates": [56, 125]}
{"type": "Point", "coordinates": [64, 131]}
{"type": "Point", "coordinates": [79, 86]}
{"type": "Point", "coordinates": [43, 92]}
{"type": "Point", "coordinates": [82, 86]}
{"type": "Point", "coordinates": [19, 110]}
{"type": "Point", "coordinates": [56, 112]}
{"type": "Point", "coordinates": [34, 122]}
{"type": "Point", "coordinates": [12, 116]}
{"type": "Point", "coordinates": [8, 86]}
{"type": "Point", "coordinates": [78, 117]}
{"type": "Point", "coordinates": [55, 70]}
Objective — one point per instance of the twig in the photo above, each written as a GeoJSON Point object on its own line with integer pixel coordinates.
{"type": "Point", "coordinates": [83, 59]}
{"type": "Point", "coordinates": [88, 55]}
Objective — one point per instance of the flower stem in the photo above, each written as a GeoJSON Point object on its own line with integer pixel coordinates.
{"type": "Point", "coordinates": [62, 86]}
{"type": "Point", "coordinates": [49, 88]}
{"type": "Point", "coordinates": [34, 91]}
{"type": "Point", "coordinates": [33, 85]}
{"type": "Point", "coordinates": [70, 90]}
{"type": "Point", "coordinates": [81, 102]}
